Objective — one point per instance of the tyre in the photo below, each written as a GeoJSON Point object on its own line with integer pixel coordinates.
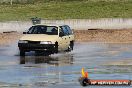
{"type": "Point", "coordinates": [46, 53]}
{"type": "Point", "coordinates": [56, 47]}
{"type": "Point", "coordinates": [38, 53]}
{"type": "Point", "coordinates": [43, 53]}
{"type": "Point", "coordinates": [70, 47]}
{"type": "Point", "coordinates": [22, 53]}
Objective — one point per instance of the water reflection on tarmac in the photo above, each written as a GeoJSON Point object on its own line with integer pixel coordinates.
{"type": "Point", "coordinates": [102, 61]}
{"type": "Point", "coordinates": [67, 60]}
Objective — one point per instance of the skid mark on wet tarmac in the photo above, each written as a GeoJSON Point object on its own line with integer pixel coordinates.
{"type": "Point", "coordinates": [63, 69]}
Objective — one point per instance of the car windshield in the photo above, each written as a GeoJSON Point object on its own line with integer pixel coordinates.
{"type": "Point", "coordinates": [50, 30]}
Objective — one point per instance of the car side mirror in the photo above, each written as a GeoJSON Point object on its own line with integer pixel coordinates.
{"type": "Point", "coordinates": [24, 32]}
{"type": "Point", "coordinates": [61, 34]}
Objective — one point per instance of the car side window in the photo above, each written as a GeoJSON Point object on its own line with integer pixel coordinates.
{"type": "Point", "coordinates": [69, 30]}
{"type": "Point", "coordinates": [66, 32]}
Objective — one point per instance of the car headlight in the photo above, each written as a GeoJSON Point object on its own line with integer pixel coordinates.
{"type": "Point", "coordinates": [22, 41]}
{"type": "Point", "coordinates": [45, 42]}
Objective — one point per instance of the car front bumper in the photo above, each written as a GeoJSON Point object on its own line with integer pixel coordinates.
{"type": "Point", "coordinates": [37, 47]}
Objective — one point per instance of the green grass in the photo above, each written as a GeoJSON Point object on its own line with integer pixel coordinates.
{"type": "Point", "coordinates": [67, 9]}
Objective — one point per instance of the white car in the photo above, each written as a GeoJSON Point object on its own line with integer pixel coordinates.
{"type": "Point", "coordinates": [47, 38]}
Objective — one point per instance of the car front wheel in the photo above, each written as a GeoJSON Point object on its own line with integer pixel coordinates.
{"type": "Point", "coordinates": [22, 53]}
{"type": "Point", "coordinates": [56, 47]}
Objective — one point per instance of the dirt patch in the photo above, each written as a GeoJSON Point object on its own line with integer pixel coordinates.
{"type": "Point", "coordinates": [105, 36]}
{"type": "Point", "coordinates": [98, 35]}
{"type": "Point", "coordinates": [8, 38]}
{"type": "Point", "coordinates": [119, 62]}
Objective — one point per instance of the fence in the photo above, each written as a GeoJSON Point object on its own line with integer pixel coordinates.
{"type": "Point", "coordinates": [73, 23]}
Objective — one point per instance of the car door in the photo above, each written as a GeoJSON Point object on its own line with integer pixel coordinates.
{"type": "Point", "coordinates": [64, 39]}
{"type": "Point", "coordinates": [70, 33]}
{"type": "Point", "coordinates": [61, 40]}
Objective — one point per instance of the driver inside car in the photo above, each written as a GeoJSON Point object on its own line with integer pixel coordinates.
{"type": "Point", "coordinates": [54, 31]}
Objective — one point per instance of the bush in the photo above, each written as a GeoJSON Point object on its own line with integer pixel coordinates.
{"type": "Point", "coordinates": [17, 1]}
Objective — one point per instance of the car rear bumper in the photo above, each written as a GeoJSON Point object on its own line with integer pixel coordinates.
{"type": "Point", "coordinates": [37, 47]}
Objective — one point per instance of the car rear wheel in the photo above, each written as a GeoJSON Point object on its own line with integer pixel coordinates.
{"type": "Point", "coordinates": [70, 47]}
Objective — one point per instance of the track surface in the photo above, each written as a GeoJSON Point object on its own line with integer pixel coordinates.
{"type": "Point", "coordinates": [102, 61]}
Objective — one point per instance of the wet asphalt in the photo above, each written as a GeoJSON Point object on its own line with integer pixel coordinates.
{"type": "Point", "coordinates": [101, 60]}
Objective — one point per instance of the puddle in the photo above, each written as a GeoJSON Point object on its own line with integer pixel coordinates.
{"type": "Point", "coordinates": [102, 61]}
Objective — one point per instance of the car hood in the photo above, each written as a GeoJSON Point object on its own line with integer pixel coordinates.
{"type": "Point", "coordinates": [39, 37]}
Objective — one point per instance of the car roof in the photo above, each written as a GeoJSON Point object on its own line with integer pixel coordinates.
{"type": "Point", "coordinates": [49, 25]}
